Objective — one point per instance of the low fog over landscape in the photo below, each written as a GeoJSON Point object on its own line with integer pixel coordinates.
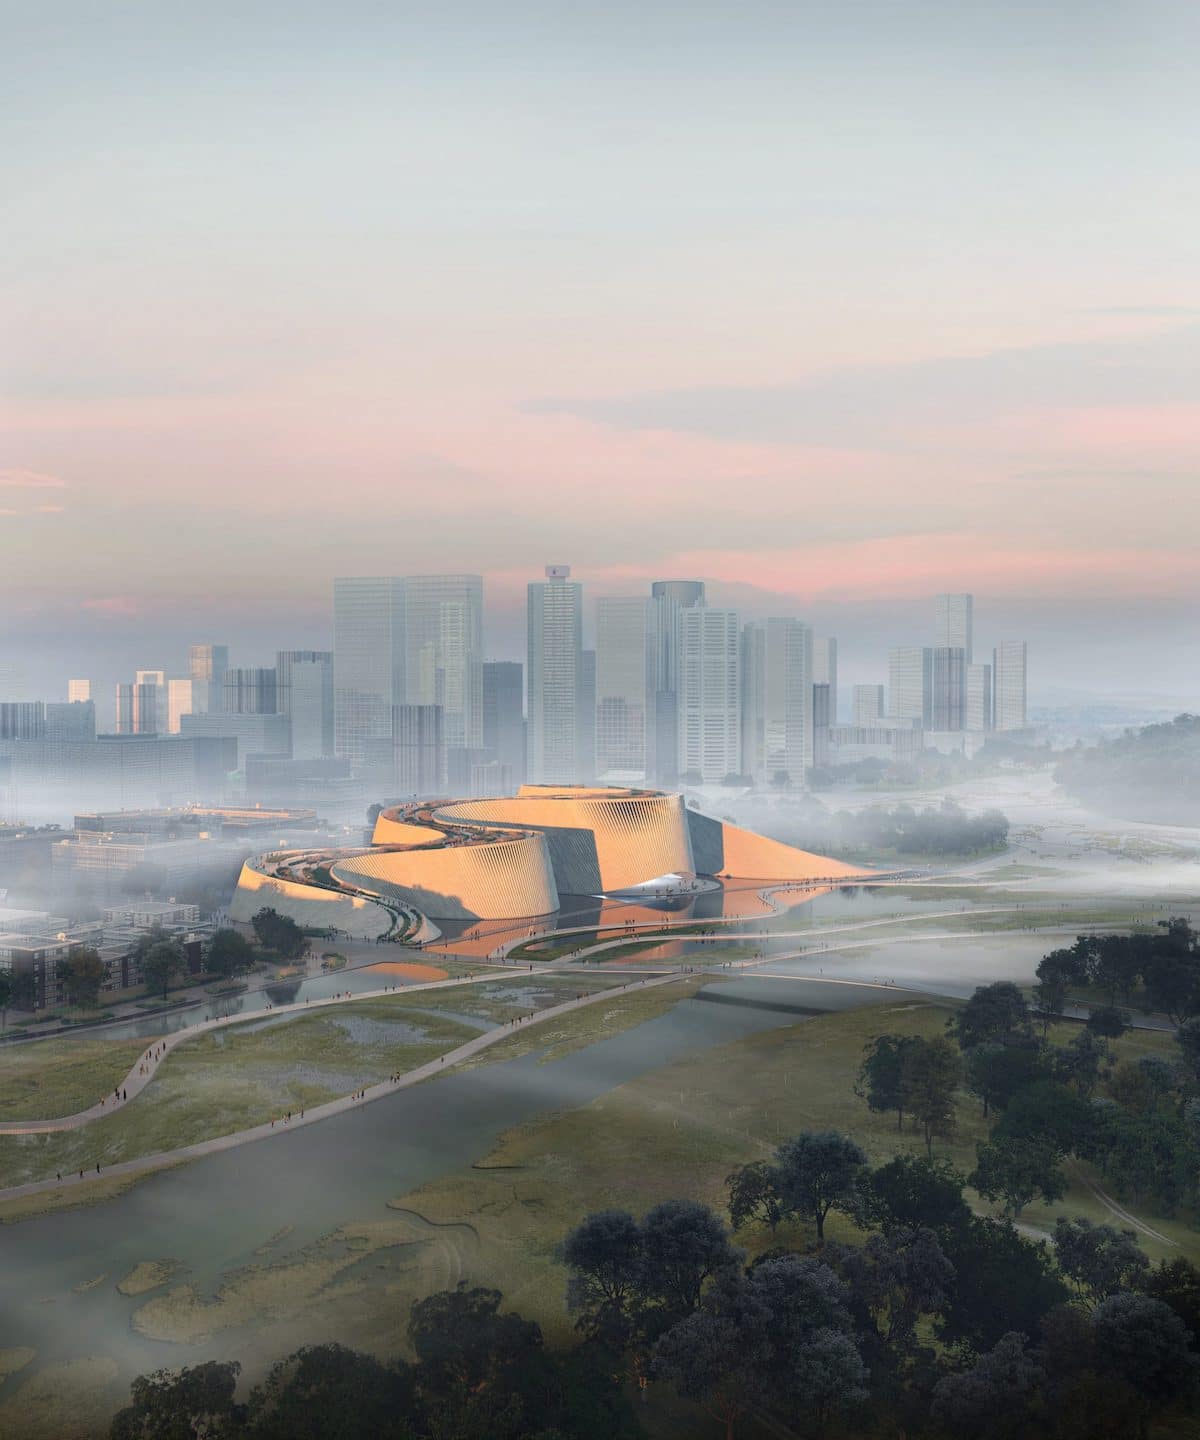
{"type": "Point", "coordinates": [599, 721]}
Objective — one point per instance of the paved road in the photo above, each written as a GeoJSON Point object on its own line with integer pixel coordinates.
{"type": "Point", "coordinates": [333, 1107]}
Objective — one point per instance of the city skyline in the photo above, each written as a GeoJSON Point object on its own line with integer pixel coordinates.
{"type": "Point", "coordinates": [386, 288]}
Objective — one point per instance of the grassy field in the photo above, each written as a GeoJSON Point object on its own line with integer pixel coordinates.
{"type": "Point", "coordinates": [697, 1119]}
{"type": "Point", "coordinates": [43, 1079]}
{"type": "Point", "coordinates": [234, 1079]}
{"type": "Point", "coordinates": [513, 994]}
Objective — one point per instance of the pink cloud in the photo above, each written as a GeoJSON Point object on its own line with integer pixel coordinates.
{"type": "Point", "coordinates": [29, 480]}
{"type": "Point", "coordinates": [51, 509]}
{"type": "Point", "coordinates": [124, 606]}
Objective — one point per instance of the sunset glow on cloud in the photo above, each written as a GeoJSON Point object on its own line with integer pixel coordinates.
{"type": "Point", "coordinates": [838, 321]}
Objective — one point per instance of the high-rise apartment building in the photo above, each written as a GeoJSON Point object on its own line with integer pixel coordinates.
{"type": "Point", "coordinates": [22, 720]}
{"type": "Point", "coordinates": [142, 707]}
{"type": "Point", "coordinates": [251, 690]}
{"type": "Point", "coordinates": [979, 697]}
{"type": "Point", "coordinates": [868, 704]}
{"type": "Point", "coordinates": [79, 690]}
{"type": "Point", "coordinates": [822, 709]}
{"type": "Point", "coordinates": [504, 717]}
{"type": "Point", "coordinates": [554, 618]}
{"type": "Point", "coordinates": [185, 697]}
{"type": "Point", "coordinates": [308, 695]}
{"type": "Point", "coordinates": [419, 747]}
{"type": "Point", "coordinates": [444, 652]}
{"type": "Point", "coordinates": [368, 661]}
{"type": "Point", "coordinates": [667, 599]}
{"type": "Point", "coordinates": [625, 671]}
{"type": "Point", "coordinates": [953, 623]}
{"type": "Point", "coordinates": [910, 683]}
{"type": "Point", "coordinates": [825, 671]}
{"type": "Point", "coordinates": [709, 694]}
{"type": "Point", "coordinates": [1009, 660]}
{"type": "Point", "coordinates": [73, 722]}
{"type": "Point", "coordinates": [949, 688]}
{"type": "Point", "coordinates": [207, 665]}
{"type": "Point", "coordinates": [776, 701]}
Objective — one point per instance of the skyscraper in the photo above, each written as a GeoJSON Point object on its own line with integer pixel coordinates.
{"type": "Point", "coordinates": [667, 599]}
{"type": "Point", "coordinates": [79, 690]}
{"type": "Point", "coordinates": [949, 688]}
{"type": "Point", "coordinates": [207, 665]}
{"type": "Point", "coordinates": [1008, 684]}
{"type": "Point", "coordinates": [709, 694]}
{"type": "Point", "coordinates": [625, 671]}
{"type": "Point", "coordinates": [444, 653]}
{"type": "Point", "coordinates": [306, 697]}
{"type": "Point", "coordinates": [979, 697]}
{"type": "Point", "coordinates": [142, 707]}
{"type": "Point", "coordinates": [504, 717]}
{"type": "Point", "coordinates": [776, 700]}
{"type": "Point", "coordinates": [825, 671]}
{"type": "Point", "coordinates": [251, 690]}
{"type": "Point", "coordinates": [953, 623]}
{"type": "Point", "coordinates": [184, 697]}
{"type": "Point", "coordinates": [868, 704]}
{"type": "Point", "coordinates": [910, 683]}
{"type": "Point", "coordinates": [554, 618]}
{"type": "Point", "coordinates": [368, 661]}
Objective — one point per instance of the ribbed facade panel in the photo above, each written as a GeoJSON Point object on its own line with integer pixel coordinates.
{"type": "Point", "coordinates": [610, 839]}
{"type": "Point", "coordinates": [503, 878]}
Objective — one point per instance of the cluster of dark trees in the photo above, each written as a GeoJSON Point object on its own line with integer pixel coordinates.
{"type": "Point", "coordinates": [476, 1374]}
{"type": "Point", "coordinates": [279, 933]}
{"type": "Point", "coordinates": [1161, 968]}
{"type": "Point", "coordinates": [946, 829]}
{"type": "Point", "coordinates": [228, 954]}
{"type": "Point", "coordinates": [1137, 1121]}
{"type": "Point", "coordinates": [1081, 1339]}
{"type": "Point", "coordinates": [1150, 774]}
{"type": "Point", "coordinates": [940, 1324]}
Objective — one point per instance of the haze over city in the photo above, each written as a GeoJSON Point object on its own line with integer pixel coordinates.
{"type": "Point", "coordinates": [599, 720]}
{"type": "Point", "coordinates": [836, 308]}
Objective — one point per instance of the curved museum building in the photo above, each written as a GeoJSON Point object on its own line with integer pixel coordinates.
{"type": "Point", "coordinates": [513, 857]}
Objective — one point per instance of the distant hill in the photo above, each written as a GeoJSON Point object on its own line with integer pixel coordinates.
{"type": "Point", "coordinates": [1151, 774]}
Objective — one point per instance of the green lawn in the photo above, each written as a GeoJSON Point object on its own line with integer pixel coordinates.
{"type": "Point", "coordinates": [233, 1079]}
{"type": "Point", "coordinates": [43, 1079]}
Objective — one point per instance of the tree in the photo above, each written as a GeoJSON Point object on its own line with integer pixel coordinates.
{"type": "Point", "coordinates": [1001, 1282]}
{"type": "Point", "coordinates": [279, 933]}
{"type": "Point", "coordinates": [895, 1279]}
{"type": "Point", "coordinates": [1187, 1037]}
{"type": "Point", "coordinates": [604, 1257]}
{"type": "Point", "coordinates": [328, 1392]}
{"type": "Point", "coordinates": [1143, 1342]}
{"type": "Point", "coordinates": [163, 960]}
{"type": "Point", "coordinates": [818, 1170]}
{"type": "Point", "coordinates": [195, 1403]}
{"type": "Point", "coordinates": [1046, 1110]}
{"type": "Point", "coordinates": [720, 1355]}
{"type": "Point", "coordinates": [1056, 973]}
{"type": "Point", "coordinates": [996, 1072]}
{"type": "Point", "coordinates": [755, 1194]}
{"type": "Point", "coordinates": [24, 989]}
{"type": "Point", "coordinates": [1096, 1258]}
{"type": "Point", "coordinates": [6, 996]}
{"type": "Point", "coordinates": [684, 1244]}
{"type": "Point", "coordinates": [1085, 1061]}
{"type": "Point", "coordinates": [229, 954]}
{"type": "Point", "coordinates": [1177, 1284]}
{"type": "Point", "coordinates": [909, 1191]}
{"type": "Point", "coordinates": [995, 1397]}
{"type": "Point", "coordinates": [1109, 1021]}
{"type": "Point", "coordinates": [828, 1375]}
{"type": "Point", "coordinates": [881, 1076]}
{"type": "Point", "coordinates": [1014, 1170]}
{"type": "Point", "coordinates": [932, 1073]}
{"type": "Point", "coordinates": [996, 1012]}
{"type": "Point", "coordinates": [81, 974]}
{"type": "Point", "coordinates": [464, 1346]}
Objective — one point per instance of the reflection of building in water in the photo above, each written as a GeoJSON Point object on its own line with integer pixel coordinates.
{"type": "Point", "coordinates": [516, 856]}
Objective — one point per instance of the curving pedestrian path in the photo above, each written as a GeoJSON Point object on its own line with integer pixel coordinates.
{"type": "Point", "coordinates": [379, 1091]}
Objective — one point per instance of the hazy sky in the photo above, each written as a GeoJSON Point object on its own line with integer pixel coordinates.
{"type": "Point", "coordinates": [834, 305]}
